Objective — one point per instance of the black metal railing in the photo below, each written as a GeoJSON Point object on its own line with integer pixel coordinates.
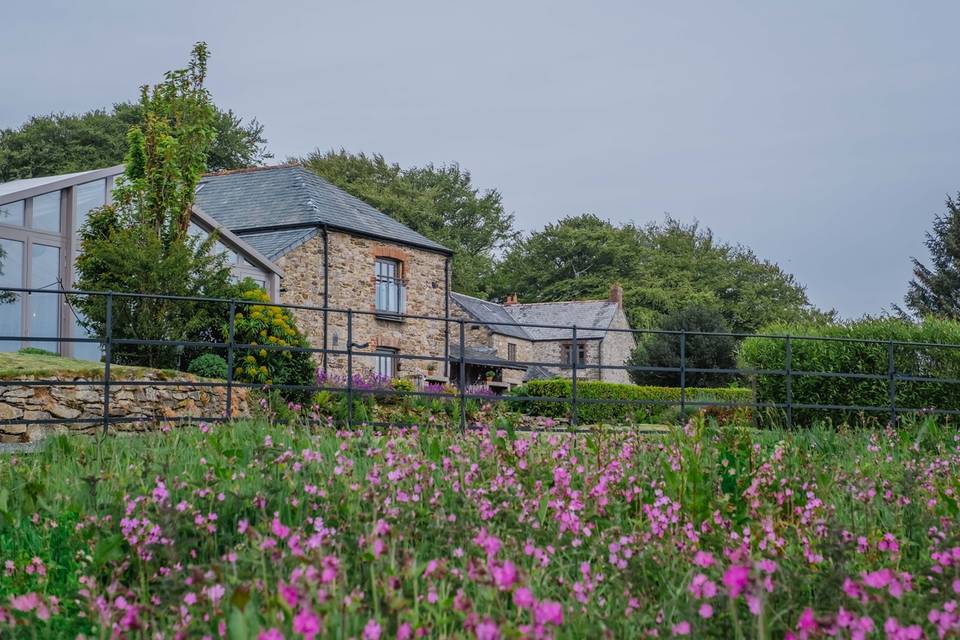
{"type": "Point", "coordinates": [456, 365]}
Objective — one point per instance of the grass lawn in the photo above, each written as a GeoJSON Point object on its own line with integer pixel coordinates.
{"type": "Point", "coordinates": [15, 366]}
{"type": "Point", "coordinates": [259, 531]}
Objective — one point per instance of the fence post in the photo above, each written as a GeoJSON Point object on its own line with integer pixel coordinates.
{"type": "Point", "coordinates": [108, 354]}
{"type": "Point", "coordinates": [463, 378]}
{"type": "Point", "coordinates": [575, 357]}
{"type": "Point", "coordinates": [230, 337]}
{"type": "Point", "coordinates": [349, 368]}
{"type": "Point", "coordinates": [891, 384]}
{"type": "Point", "coordinates": [683, 375]}
{"type": "Point", "coordinates": [788, 363]}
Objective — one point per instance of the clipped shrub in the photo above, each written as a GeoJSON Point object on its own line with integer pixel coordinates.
{"type": "Point", "coordinates": [268, 325]}
{"type": "Point", "coordinates": [209, 365]}
{"type": "Point", "coordinates": [644, 402]}
{"type": "Point", "coordinates": [927, 360]}
{"type": "Point", "coordinates": [700, 351]}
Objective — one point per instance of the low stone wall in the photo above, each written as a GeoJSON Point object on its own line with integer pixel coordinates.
{"type": "Point", "coordinates": [146, 406]}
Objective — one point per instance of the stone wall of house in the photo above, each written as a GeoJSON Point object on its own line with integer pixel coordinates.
{"type": "Point", "coordinates": [352, 286]}
{"type": "Point", "coordinates": [616, 347]}
{"type": "Point", "coordinates": [524, 354]}
{"type": "Point", "coordinates": [551, 351]}
{"type": "Point", "coordinates": [145, 405]}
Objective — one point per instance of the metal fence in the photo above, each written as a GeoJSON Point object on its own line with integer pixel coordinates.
{"type": "Point", "coordinates": [452, 333]}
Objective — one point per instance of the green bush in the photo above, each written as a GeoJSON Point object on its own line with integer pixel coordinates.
{"type": "Point", "coordinates": [209, 365]}
{"type": "Point", "coordinates": [822, 356]}
{"type": "Point", "coordinates": [263, 324]}
{"type": "Point", "coordinates": [658, 400]}
{"type": "Point", "coordinates": [37, 351]}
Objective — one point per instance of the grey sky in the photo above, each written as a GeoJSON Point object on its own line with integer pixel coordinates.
{"type": "Point", "coordinates": [820, 134]}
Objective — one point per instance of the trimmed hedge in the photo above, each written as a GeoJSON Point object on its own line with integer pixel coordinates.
{"type": "Point", "coordinates": [863, 358]}
{"type": "Point", "coordinates": [665, 400]}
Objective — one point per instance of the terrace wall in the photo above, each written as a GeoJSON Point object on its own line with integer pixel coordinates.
{"type": "Point", "coordinates": [148, 404]}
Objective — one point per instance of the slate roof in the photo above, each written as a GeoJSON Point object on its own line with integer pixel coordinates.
{"type": "Point", "coordinates": [490, 312]}
{"type": "Point", "coordinates": [274, 244]}
{"type": "Point", "coordinates": [483, 355]}
{"type": "Point", "coordinates": [266, 201]}
{"type": "Point", "coordinates": [592, 317]}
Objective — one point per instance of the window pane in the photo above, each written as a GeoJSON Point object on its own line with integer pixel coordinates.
{"type": "Point", "coordinates": [12, 213]}
{"type": "Point", "coordinates": [83, 350]}
{"type": "Point", "coordinates": [44, 308]}
{"type": "Point", "coordinates": [12, 276]}
{"type": "Point", "coordinates": [89, 197]}
{"type": "Point", "coordinates": [46, 212]}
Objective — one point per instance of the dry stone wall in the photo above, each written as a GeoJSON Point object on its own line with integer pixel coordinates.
{"type": "Point", "coordinates": [146, 406]}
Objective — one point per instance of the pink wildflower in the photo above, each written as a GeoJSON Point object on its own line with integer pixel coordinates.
{"type": "Point", "coordinates": [307, 624]}
{"type": "Point", "coordinates": [372, 630]}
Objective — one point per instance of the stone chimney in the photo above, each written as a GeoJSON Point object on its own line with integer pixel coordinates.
{"type": "Point", "coordinates": [616, 294]}
{"type": "Point", "coordinates": [511, 299]}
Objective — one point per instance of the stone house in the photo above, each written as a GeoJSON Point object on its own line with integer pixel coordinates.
{"type": "Point", "coordinates": [505, 338]}
{"type": "Point", "coordinates": [338, 253]}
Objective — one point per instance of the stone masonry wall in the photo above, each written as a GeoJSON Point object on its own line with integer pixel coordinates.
{"type": "Point", "coordinates": [352, 286]}
{"type": "Point", "coordinates": [550, 351]}
{"type": "Point", "coordinates": [152, 404]}
{"type": "Point", "coordinates": [616, 349]}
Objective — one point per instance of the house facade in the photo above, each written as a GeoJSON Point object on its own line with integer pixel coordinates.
{"type": "Point", "coordinates": [524, 340]}
{"type": "Point", "coordinates": [40, 220]}
{"type": "Point", "coordinates": [338, 253]}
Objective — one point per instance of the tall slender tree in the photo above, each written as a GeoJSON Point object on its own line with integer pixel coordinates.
{"type": "Point", "coordinates": [140, 243]}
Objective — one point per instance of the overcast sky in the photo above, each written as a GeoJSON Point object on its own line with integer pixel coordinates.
{"type": "Point", "coordinates": [823, 135]}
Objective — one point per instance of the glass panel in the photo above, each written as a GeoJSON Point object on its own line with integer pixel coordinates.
{"type": "Point", "coordinates": [43, 311]}
{"type": "Point", "coordinates": [83, 350]}
{"type": "Point", "coordinates": [89, 197]}
{"type": "Point", "coordinates": [12, 213]}
{"type": "Point", "coordinates": [11, 276]}
{"type": "Point", "coordinates": [194, 231]}
{"type": "Point", "coordinates": [385, 363]}
{"type": "Point", "coordinates": [46, 212]}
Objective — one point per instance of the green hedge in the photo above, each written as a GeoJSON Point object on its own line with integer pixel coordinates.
{"type": "Point", "coordinates": [848, 357]}
{"type": "Point", "coordinates": [665, 400]}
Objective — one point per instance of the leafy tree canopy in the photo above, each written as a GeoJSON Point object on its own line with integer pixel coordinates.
{"type": "Point", "coordinates": [699, 351]}
{"type": "Point", "coordinates": [439, 202]}
{"type": "Point", "coordinates": [663, 268]}
{"type": "Point", "coordinates": [935, 290]}
{"type": "Point", "coordinates": [65, 143]}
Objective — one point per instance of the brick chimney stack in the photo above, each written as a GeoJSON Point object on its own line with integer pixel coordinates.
{"type": "Point", "coordinates": [616, 294]}
{"type": "Point", "coordinates": [511, 299]}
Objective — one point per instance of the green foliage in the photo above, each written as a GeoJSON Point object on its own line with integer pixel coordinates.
{"type": "Point", "coordinates": [663, 267]}
{"type": "Point", "coordinates": [439, 202]}
{"type": "Point", "coordinates": [37, 351]}
{"type": "Point", "coordinates": [858, 358]}
{"type": "Point", "coordinates": [700, 351]}
{"type": "Point", "coordinates": [64, 143]}
{"type": "Point", "coordinates": [262, 325]}
{"type": "Point", "coordinates": [658, 400]}
{"type": "Point", "coordinates": [209, 365]}
{"type": "Point", "coordinates": [935, 290]}
{"type": "Point", "coordinates": [139, 243]}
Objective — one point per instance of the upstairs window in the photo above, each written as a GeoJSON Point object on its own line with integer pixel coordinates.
{"type": "Point", "coordinates": [46, 212]}
{"type": "Point", "coordinates": [12, 213]}
{"type": "Point", "coordinates": [390, 292]}
{"type": "Point", "coordinates": [511, 352]}
{"type": "Point", "coordinates": [566, 354]}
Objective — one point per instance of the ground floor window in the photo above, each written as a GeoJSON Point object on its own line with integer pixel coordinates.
{"type": "Point", "coordinates": [566, 354]}
{"type": "Point", "coordinates": [386, 362]}
{"type": "Point", "coordinates": [32, 264]}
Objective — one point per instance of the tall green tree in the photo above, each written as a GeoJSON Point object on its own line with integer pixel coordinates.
{"type": "Point", "coordinates": [64, 143]}
{"type": "Point", "coordinates": [935, 290]}
{"type": "Point", "coordinates": [439, 202]}
{"type": "Point", "coordinates": [663, 268]}
{"type": "Point", "coordinates": [140, 244]}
